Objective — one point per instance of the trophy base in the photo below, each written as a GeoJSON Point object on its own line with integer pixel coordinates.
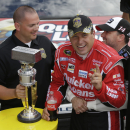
{"type": "Point", "coordinates": [28, 116]}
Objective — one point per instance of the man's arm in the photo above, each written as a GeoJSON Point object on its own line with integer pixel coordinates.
{"type": "Point", "coordinates": [96, 105]}
{"type": "Point", "coordinates": [8, 93]}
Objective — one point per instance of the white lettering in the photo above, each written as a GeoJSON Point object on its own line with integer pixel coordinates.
{"type": "Point", "coordinates": [112, 95]}
{"type": "Point", "coordinates": [77, 83]}
{"type": "Point", "coordinates": [111, 90]}
{"type": "Point", "coordinates": [122, 29]}
{"type": "Point", "coordinates": [82, 93]}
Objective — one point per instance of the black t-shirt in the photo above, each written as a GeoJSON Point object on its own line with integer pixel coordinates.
{"type": "Point", "coordinates": [9, 67]}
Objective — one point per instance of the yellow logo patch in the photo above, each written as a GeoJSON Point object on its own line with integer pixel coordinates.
{"type": "Point", "coordinates": [94, 70]}
{"type": "Point", "coordinates": [77, 22]}
{"type": "Point", "coordinates": [43, 53]}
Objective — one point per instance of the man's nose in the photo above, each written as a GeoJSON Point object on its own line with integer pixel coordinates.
{"type": "Point", "coordinates": [36, 27]}
{"type": "Point", "coordinates": [103, 34]}
{"type": "Point", "coordinates": [80, 40]}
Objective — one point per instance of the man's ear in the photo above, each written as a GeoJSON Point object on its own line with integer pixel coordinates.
{"type": "Point", "coordinates": [121, 37]}
{"type": "Point", "coordinates": [17, 26]}
{"type": "Point", "coordinates": [93, 33]}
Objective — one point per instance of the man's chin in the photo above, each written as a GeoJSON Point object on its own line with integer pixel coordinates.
{"type": "Point", "coordinates": [34, 37]}
{"type": "Point", "coordinates": [104, 41]}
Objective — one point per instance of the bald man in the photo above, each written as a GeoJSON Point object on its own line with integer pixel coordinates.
{"type": "Point", "coordinates": [26, 22]}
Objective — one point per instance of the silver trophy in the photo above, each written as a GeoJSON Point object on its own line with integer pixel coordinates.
{"type": "Point", "coordinates": [28, 57]}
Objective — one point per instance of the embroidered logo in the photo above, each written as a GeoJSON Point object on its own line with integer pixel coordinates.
{"type": "Point", "coordinates": [83, 74]}
{"type": "Point", "coordinates": [43, 53]}
{"type": "Point", "coordinates": [63, 66]}
{"type": "Point", "coordinates": [93, 70]}
{"type": "Point", "coordinates": [110, 21]}
{"type": "Point", "coordinates": [116, 76]}
{"type": "Point", "coordinates": [70, 67]}
{"type": "Point", "coordinates": [67, 52]}
{"type": "Point", "coordinates": [64, 59]}
{"type": "Point", "coordinates": [77, 22]}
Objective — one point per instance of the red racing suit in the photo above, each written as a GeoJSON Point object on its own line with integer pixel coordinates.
{"type": "Point", "coordinates": [75, 70]}
{"type": "Point", "coordinates": [72, 68]}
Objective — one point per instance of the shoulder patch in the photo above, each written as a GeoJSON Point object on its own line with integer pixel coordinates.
{"type": "Point", "coordinates": [67, 52]}
{"type": "Point", "coordinates": [43, 53]}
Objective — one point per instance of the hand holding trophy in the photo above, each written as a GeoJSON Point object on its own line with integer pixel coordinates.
{"type": "Point", "coordinates": [28, 57]}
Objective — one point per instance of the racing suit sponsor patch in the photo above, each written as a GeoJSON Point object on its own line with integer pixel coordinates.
{"type": "Point", "coordinates": [121, 89]}
{"type": "Point", "coordinates": [83, 74]}
{"type": "Point", "coordinates": [63, 66]}
{"type": "Point", "coordinates": [82, 93]}
{"type": "Point", "coordinates": [93, 70]}
{"type": "Point", "coordinates": [72, 60]}
{"type": "Point", "coordinates": [97, 62]}
{"type": "Point", "coordinates": [63, 59]}
{"type": "Point", "coordinates": [71, 67]}
{"type": "Point", "coordinates": [126, 55]}
{"type": "Point", "coordinates": [112, 93]}
{"type": "Point", "coordinates": [67, 52]}
{"type": "Point", "coordinates": [116, 76]}
{"type": "Point", "coordinates": [78, 83]}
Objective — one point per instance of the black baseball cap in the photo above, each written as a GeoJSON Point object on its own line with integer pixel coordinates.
{"type": "Point", "coordinates": [115, 24]}
{"type": "Point", "coordinates": [79, 23]}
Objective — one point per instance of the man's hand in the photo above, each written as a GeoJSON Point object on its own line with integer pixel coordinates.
{"type": "Point", "coordinates": [96, 78]}
{"type": "Point", "coordinates": [45, 114]}
{"type": "Point", "coordinates": [20, 91]}
{"type": "Point", "coordinates": [79, 105]}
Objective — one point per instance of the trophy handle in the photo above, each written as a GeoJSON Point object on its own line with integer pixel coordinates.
{"type": "Point", "coordinates": [25, 100]}
{"type": "Point", "coordinates": [34, 94]}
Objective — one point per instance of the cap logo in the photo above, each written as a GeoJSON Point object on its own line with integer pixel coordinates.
{"type": "Point", "coordinates": [122, 29]}
{"type": "Point", "coordinates": [88, 28]}
{"type": "Point", "coordinates": [77, 22]}
{"type": "Point", "coordinates": [110, 21]}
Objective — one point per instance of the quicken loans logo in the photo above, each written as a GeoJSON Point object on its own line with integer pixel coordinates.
{"type": "Point", "coordinates": [77, 83]}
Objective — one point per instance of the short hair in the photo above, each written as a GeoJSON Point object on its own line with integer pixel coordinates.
{"type": "Point", "coordinates": [126, 37]}
{"type": "Point", "coordinates": [20, 12]}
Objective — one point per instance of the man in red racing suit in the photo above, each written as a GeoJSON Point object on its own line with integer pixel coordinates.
{"type": "Point", "coordinates": [75, 69]}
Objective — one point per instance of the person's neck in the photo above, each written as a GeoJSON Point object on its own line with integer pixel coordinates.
{"type": "Point", "coordinates": [20, 38]}
{"type": "Point", "coordinates": [83, 56]}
